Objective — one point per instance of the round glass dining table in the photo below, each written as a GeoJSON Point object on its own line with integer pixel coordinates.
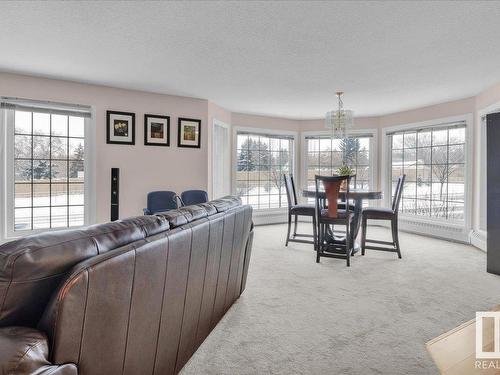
{"type": "Point", "coordinates": [357, 196]}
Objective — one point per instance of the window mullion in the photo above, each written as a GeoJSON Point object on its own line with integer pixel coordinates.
{"type": "Point", "coordinates": [32, 172]}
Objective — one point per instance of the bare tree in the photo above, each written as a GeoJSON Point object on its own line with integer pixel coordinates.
{"type": "Point", "coordinates": [445, 162]}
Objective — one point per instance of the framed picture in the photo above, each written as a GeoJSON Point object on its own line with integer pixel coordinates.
{"type": "Point", "coordinates": [120, 128]}
{"type": "Point", "coordinates": [189, 133]}
{"type": "Point", "coordinates": [156, 130]}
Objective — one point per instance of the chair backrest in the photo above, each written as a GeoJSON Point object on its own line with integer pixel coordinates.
{"type": "Point", "coordinates": [190, 197]}
{"type": "Point", "coordinates": [159, 201]}
{"type": "Point", "coordinates": [398, 193]}
{"type": "Point", "coordinates": [291, 195]}
{"type": "Point", "coordinates": [332, 185]}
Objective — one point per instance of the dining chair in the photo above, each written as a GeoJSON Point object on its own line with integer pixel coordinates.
{"type": "Point", "coordinates": [388, 214]}
{"type": "Point", "coordinates": [328, 214]}
{"type": "Point", "coordinates": [190, 197]}
{"type": "Point", "coordinates": [296, 210]}
{"type": "Point", "coordinates": [159, 201]}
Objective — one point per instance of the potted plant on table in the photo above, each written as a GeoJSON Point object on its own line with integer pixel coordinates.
{"type": "Point", "coordinates": [344, 170]}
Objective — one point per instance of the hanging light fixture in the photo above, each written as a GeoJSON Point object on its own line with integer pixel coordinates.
{"type": "Point", "coordinates": [339, 121]}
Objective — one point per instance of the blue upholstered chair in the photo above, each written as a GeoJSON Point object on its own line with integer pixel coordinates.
{"type": "Point", "coordinates": [159, 201]}
{"type": "Point", "coordinates": [190, 197]}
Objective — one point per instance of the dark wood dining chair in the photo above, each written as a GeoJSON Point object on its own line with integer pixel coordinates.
{"type": "Point", "coordinates": [381, 213]}
{"type": "Point", "coordinates": [328, 214]}
{"type": "Point", "coordinates": [296, 210]}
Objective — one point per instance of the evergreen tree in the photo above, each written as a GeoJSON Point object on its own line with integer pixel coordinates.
{"type": "Point", "coordinates": [349, 148]}
{"type": "Point", "coordinates": [77, 165]}
{"type": "Point", "coordinates": [252, 155]}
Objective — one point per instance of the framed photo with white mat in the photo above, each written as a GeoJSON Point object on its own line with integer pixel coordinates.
{"type": "Point", "coordinates": [120, 128]}
{"type": "Point", "coordinates": [156, 130]}
{"type": "Point", "coordinates": [189, 133]}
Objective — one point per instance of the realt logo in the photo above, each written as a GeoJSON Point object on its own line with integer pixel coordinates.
{"type": "Point", "coordinates": [488, 332]}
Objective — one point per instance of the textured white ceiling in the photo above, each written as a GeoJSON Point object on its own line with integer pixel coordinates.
{"type": "Point", "coordinates": [275, 58]}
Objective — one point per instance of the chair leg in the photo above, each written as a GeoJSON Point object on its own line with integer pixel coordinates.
{"type": "Point", "coordinates": [395, 235]}
{"type": "Point", "coordinates": [314, 232]}
{"type": "Point", "coordinates": [295, 226]}
{"type": "Point", "coordinates": [348, 247]}
{"type": "Point", "coordinates": [289, 227]}
{"type": "Point", "coordinates": [319, 242]}
{"type": "Point", "coordinates": [364, 225]}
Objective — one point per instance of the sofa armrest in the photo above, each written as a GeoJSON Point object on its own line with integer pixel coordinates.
{"type": "Point", "coordinates": [25, 351]}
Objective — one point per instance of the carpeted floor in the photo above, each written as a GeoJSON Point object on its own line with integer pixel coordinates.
{"type": "Point", "coordinates": [299, 317]}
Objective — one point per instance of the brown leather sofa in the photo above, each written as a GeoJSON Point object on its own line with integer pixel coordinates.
{"type": "Point", "coordinates": [136, 296]}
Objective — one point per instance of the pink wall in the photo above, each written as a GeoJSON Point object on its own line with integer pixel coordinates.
{"type": "Point", "coordinates": [143, 168]}
{"type": "Point", "coordinates": [147, 168]}
{"type": "Point", "coordinates": [265, 122]}
{"type": "Point", "coordinates": [457, 107]}
{"type": "Point", "coordinates": [359, 123]}
{"type": "Point", "coordinates": [488, 97]}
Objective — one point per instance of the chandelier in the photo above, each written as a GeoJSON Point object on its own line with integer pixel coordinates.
{"type": "Point", "coordinates": [339, 121]}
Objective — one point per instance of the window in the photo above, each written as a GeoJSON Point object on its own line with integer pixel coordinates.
{"type": "Point", "coordinates": [45, 168]}
{"type": "Point", "coordinates": [261, 162]}
{"type": "Point", "coordinates": [433, 160]}
{"type": "Point", "coordinates": [324, 155]}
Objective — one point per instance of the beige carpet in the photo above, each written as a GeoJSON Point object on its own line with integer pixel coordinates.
{"type": "Point", "coordinates": [299, 317]}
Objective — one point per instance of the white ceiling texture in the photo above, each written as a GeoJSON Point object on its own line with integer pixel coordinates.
{"type": "Point", "coordinates": [273, 58]}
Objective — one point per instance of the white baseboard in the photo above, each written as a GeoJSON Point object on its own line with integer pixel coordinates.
{"type": "Point", "coordinates": [264, 217]}
{"type": "Point", "coordinates": [441, 230]}
{"type": "Point", "coordinates": [478, 239]}
{"type": "Point", "coordinates": [445, 231]}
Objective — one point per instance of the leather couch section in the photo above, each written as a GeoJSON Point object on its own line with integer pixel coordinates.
{"type": "Point", "coordinates": [22, 350]}
{"type": "Point", "coordinates": [149, 224]}
{"type": "Point", "coordinates": [225, 203]}
{"type": "Point", "coordinates": [25, 351]}
{"type": "Point", "coordinates": [175, 218]}
{"type": "Point", "coordinates": [31, 268]}
{"type": "Point", "coordinates": [145, 293]}
{"type": "Point", "coordinates": [185, 215]}
{"type": "Point", "coordinates": [109, 236]}
{"type": "Point", "coordinates": [146, 307]}
{"type": "Point", "coordinates": [248, 253]}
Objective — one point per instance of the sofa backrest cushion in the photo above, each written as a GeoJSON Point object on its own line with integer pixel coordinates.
{"type": "Point", "coordinates": [187, 214]}
{"type": "Point", "coordinates": [31, 268]}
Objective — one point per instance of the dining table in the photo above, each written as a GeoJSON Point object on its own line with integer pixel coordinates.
{"type": "Point", "coordinates": [357, 196]}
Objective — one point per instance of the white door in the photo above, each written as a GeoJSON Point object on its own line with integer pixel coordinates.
{"type": "Point", "coordinates": [221, 160]}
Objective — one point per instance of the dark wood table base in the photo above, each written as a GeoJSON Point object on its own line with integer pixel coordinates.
{"type": "Point", "coordinates": [358, 196]}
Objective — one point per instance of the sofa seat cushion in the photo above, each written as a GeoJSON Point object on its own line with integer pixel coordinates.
{"type": "Point", "coordinates": [378, 213]}
{"type": "Point", "coordinates": [303, 209]}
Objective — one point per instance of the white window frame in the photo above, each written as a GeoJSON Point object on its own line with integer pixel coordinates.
{"type": "Point", "coordinates": [263, 131]}
{"type": "Point", "coordinates": [373, 156]}
{"type": "Point", "coordinates": [433, 226]}
{"type": "Point", "coordinates": [7, 232]}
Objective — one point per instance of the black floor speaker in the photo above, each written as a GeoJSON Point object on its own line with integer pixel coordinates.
{"type": "Point", "coordinates": [115, 193]}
